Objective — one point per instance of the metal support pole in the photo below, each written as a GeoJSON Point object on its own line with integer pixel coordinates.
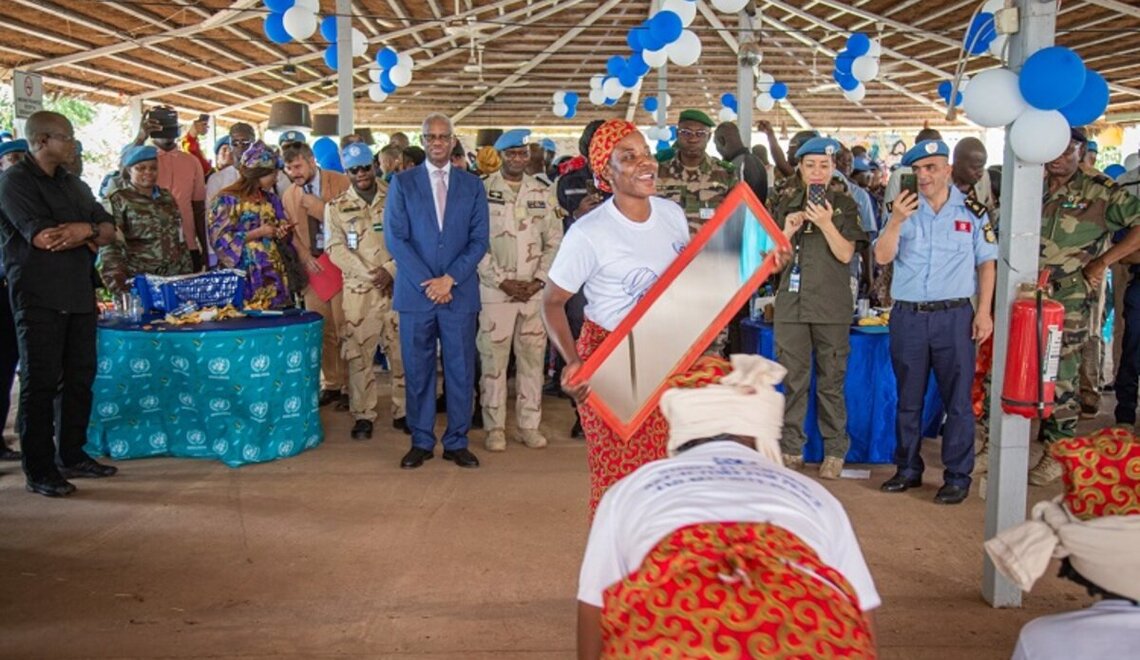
{"type": "Point", "coordinates": [1019, 245]}
{"type": "Point", "coordinates": [745, 81]}
{"type": "Point", "coordinates": [134, 110]}
{"type": "Point", "coordinates": [344, 94]}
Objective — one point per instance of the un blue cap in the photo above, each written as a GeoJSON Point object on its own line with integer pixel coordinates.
{"type": "Point", "coordinates": [138, 154]}
{"type": "Point", "coordinates": [548, 145]}
{"type": "Point", "coordinates": [817, 146]}
{"type": "Point", "coordinates": [862, 164]}
{"type": "Point", "coordinates": [355, 155]}
{"type": "Point", "coordinates": [925, 149]}
{"type": "Point", "coordinates": [291, 136]}
{"type": "Point", "coordinates": [1093, 147]}
{"type": "Point", "coordinates": [221, 142]}
{"type": "Point", "coordinates": [516, 137]}
{"type": "Point", "coordinates": [13, 146]}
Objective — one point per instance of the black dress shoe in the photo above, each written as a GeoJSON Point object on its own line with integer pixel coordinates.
{"type": "Point", "coordinates": [462, 457]}
{"type": "Point", "coordinates": [327, 397]}
{"type": "Point", "coordinates": [899, 483]}
{"type": "Point", "coordinates": [415, 458]}
{"type": "Point", "coordinates": [53, 486]}
{"type": "Point", "coordinates": [401, 423]}
{"type": "Point", "coordinates": [951, 494]}
{"type": "Point", "coordinates": [576, 431]}
{"type": "Point", "coordinates": [342, 402]}
{"type": "Point", "coordinates": [362, 430]}
{"type": "Point", "coordinates": [88, 469]}
{"type": "Point", "coordinates": [7, 454]}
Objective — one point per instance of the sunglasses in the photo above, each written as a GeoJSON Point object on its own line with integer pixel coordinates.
{"type": "Point", "coordinates": [358, 169]}
{"type": "Point", "coordinates": [687, 133]}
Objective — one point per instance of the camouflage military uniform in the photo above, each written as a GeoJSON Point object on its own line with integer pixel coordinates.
{"type": "Point", "coordinates": [368, 315]}
{"type": "Point", "coordinates": [698, 190]}
{"type": "Point", "coordinates": [525, 235]}
{"type": "Point", "coordinates": [1077, 223]}
{"type": "Point", "coordinates": [147, 238]}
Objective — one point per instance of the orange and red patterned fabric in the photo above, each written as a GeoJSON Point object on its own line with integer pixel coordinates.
{"type": "Point", "coordinates": [608, 456]}
{"type": "Point", "coordinates": [602, 147]}
{"type": "Point", "coordinates": [982, 367]}
{"type": "Point", "coordinates": [734, 590]}
{"type": "Point", "coordinates": [1102, 473]}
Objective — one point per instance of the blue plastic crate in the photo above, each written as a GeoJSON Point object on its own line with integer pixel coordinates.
{"type": "Point", "coordinates": [216, 288]}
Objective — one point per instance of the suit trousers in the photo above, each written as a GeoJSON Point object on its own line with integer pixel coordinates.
{"type": "Point", "coordinates": [334, 371]}
{"type": "Point", "coordinates": [57, 356]}
{"type": "Point", "coordinates": [1128, 369]}
{"type": "Point", "coordinates": [455, 332]}
{"type": "Point", "coordinates": [831, 344]}
{"type": "Point", "coordinates": [9, 353]}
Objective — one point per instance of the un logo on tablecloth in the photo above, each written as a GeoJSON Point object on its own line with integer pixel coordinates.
{"type": "Point", "coordinates": [104, 366]}
{"type": "Point", "coordinates": [259, 364]}
{"type": "Point", "coordinates": [140, 366]}
{"type": "Point", "coordinates": [186, 399]}
{"type": "Point", "coordinates": [293, 406]}
{"type": "Point", "coordinates": [250, 452]}
{"type": "Point", "coordinates": [312, 441]}
{"type": "Point", "coordinates": [119, 448]}
{"type": "Point", "coordinates": [180, 363]}
{"type": "Point", "coordinates": [314, 356]}
{"type": "Point", "coordinates": [219, 405]}
{"type": "Point", "coordinates": [285, 448]}
{"type": "Point", "coordinates": [108, 410]}
{"type": "Point", "coordinates": [259, 410]}
{"type": "Point", "coordinates": [218, 366]}
{"type": "Point", "coordinates": [158, 440]}
{"type": "Point", "coordinates": [149, 403]}
{"type": "Point", "coordinates": [293, 360]}
{"type": "Point", "coordinates": [196, 438]}
{"type": "Point", "coordinates": [220, 447]}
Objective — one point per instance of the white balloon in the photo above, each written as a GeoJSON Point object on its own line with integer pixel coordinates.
{"type": "Point", "coordinates": [856, 95]}
{"type": "Point", "coordinates": [729, 6]}
{"type": "Point", "coordinates": [686, 9]}
{"type": "Point", "coordinates": [559, 96]}
{"type": "Point", "coordinates": [865, 68]}
{"type": "Point", "coordinates": [652, 133]}
{"type": "Point", "coordinates": [400, 76]}
{"type": "Point", "coordinates": [1039, 136]}
{"type": "Point", "coordinates": [359, 43]}
{"type": "Point", "coordinates": [726, 114]}
{"type": "Point", "coordinates": [994, 99]}
{"type": "Point", "coordinates": [311, 5]}
{"type": "Point", "coordinates": [655, 58]}
{"type": "Point", "coordinates": [299, 22]}
{"type": "Point", "coordinates": [560, 109]}
{"type": "Point", "coordinates": [596, 81]}
{"type": "Point", "coordinates": [764, 82]}
{"type": "Point", "coordinates": [991, 6]}
{"type": "Point", "coordinates": [376, 94]}
{"type": "Point", "coordinates": [406, 61]}
{"type": "Point", "coordinates": [612, 88]}
{"type": "Point", "coordinates": [668, 100]}
{"type": "Point", "coordinates": [997, 46]}
{"type": "Point", "coordinates": [686, 50]}
{"type": "Point", "coordinates": [765, 102]}
{"type": "Point", "coordinates": [876, 49]}
{"type": "Point", "coordinates": [1132, 162]}
{"type": "Point", "coordinates": [597, 97]}
{"type": "Point", "coordinates": [374, 74]}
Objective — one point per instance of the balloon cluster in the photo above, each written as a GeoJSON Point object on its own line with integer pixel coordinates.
{"type": "Point", "coordinates": [290, 19]}
{"type": "Point", "coordinates": [394, 72]}
{"type": "Point", "coordinates": [769, 91]}
{"type": "Point", "coordinates": [947, 86]}
{"type": "Point", "coordinates": [664, 135]}
{"type": "Point", "coordinates": [981, 33]}
{"type": "Point", "coordinates": [856, 64]}
{"type": "Point", "coordinates": [729, 107]}
{"type": "Point", "coordinates": [328, 31]}
{"type": "Point", "coordinates": [565, 104]}
{"type": "Point", "coordinates": [327, 154]}
{"type": "Point", "coordinates": [1053, 92]}
{"type": "Point", "coordinates": [660, 39]}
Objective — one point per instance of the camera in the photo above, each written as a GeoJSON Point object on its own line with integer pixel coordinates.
{"type": "Point", "coordinates": [168, 118]}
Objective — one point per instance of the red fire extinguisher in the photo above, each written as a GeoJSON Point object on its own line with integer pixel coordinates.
{"type": "Point", "coordinates": [1034, 353]}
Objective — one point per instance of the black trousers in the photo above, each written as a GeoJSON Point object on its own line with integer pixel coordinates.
{"type": "Point", "coordinates": [9, 353]}
{"type": "Point", "coordinates": [57, 357]}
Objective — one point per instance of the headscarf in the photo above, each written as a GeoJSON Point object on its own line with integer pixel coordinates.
{"type": "Point", "coordinates": [602, 147]}
{"type": "Point", "coordinates": [259, 157]}
{"type": "Point", "coordinates": [488, 160]}
{"type": "Point", "coordinates": [744, 403]}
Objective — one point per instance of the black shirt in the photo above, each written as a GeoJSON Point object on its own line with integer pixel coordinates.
{"type": "Point", "coordinates": [30, 202]}
{"type": "Point", "coordinates": [572, 188]}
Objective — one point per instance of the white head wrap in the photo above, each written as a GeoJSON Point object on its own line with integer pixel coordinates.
{"type": "Point", "coordinates": [744, 403]}
{"type": "Point", "coordinates": [1104, 550]}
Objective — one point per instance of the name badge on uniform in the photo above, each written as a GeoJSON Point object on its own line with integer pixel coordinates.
{"type": "Point", "coordinates": [963, 226]}
{"type": "Point", "coordinates": [352, 239]}
{"type": "Point", "coordinates": [377, 226]}
{"type": "Point", "coordinates": [536, 205]}
{"type": "Point", "coordinates": [707, 213]}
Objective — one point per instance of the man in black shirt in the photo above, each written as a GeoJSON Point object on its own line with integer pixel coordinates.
{"type": "Point", "coordinates": [48, 218]}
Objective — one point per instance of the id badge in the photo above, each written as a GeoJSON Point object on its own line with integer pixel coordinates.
{"type": "Point", "coordinates": [707, 213]}
{"type": "Point", "coordinates": [352, 239]}
{"type": "Point", "coordinates": [320, 241]}
{"type": "Point", "coordinates": [794, 280]}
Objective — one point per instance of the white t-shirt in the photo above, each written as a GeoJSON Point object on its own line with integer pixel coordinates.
{"type": "Point", "coordinates": [1108, 629]}
{"type": "Point", "coordinates": [718, 481]}
{"type": "Point", "coordinates": [615, 259]}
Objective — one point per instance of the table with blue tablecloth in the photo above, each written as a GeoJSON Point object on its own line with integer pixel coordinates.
{"type": "Point", "coordinates": [870, 391]}
{"type": "Point", "coordinates": [240, 390]}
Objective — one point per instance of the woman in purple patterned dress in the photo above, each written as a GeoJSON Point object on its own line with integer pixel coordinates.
{"type": "Point", "coordinates": [246, 219]}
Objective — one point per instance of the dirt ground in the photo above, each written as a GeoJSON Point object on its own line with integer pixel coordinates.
{"type": "Point", "coordinates": [337, 553]}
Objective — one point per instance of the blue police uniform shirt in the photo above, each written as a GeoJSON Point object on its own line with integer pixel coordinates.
{"type": "Point", "coordinates": [939, 253]}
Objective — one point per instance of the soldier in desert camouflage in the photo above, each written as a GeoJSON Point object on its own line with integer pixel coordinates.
{"type": "Point", "coordinates": [525, 234]}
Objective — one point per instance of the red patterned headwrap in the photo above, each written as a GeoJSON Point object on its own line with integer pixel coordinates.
{"type": "Point", "coordinates": [602, 147]}
{"type": "Point", "coordinates": [1102, 473]}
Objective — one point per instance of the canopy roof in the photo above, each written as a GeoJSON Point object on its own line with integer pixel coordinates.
{"type": "Point", "coordinates": [498, 62]}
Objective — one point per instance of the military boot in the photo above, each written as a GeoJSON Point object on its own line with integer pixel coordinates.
{"type": "Point", "coordinates": [793, 461]}
{"type": "Point", "coordinates": [531, 438]}
{"type": "Point", "coordinates": [1046, 471]}
{"type": "Point", "coordinates": [496, 440]}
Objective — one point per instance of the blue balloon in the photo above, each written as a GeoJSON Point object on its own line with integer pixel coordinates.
{"type": "Point", "coordinates": [649, 41]}
{"type": "Point", "coordinates": [628, 78]}
{"type": "Point", "coordinates": [778, 91]}
{"type": "Point", "coordinates": [637, 65]}
{"type": "Point", "coordinates": [666, 26]}
{"type": "Point", "coordinates": [1052, 78]}
{"type": "Point", "coordinates": [858, 44]}
{"type": "Point", "coordinates": [279, 6]}
{"type": "Point", "coordinates": [728, 99]}
{"type": "Point", "coordinates": [843, 61]}
{"type": "Point", "coordinates": [386, 84]}
{"type": "Point", "coordinates": [662, 145]}
{"type": "Point", "coordinates": [328, 29]}
{"type": "Point", "coordinates": [615, 65]}
{"type": "Point", "coordinates": [325, 147]}
{"type": "Point", "coordinates": [633, 38]}
{"type": "Point", "coordinates": [571, 99]}
{"type": "Point", "coordinates": [330, 57]}
{"type": "Point", "coordinates": [944, 89]}
{"type": "Point", "coordinates": [610, 102]}
{"type": "Point", "coordinates": [571, 111]}
{"type": "Point", "coordinates": [673, 133]}
{"type": "Point", "coordinates": [980, 33]}
{"type": "Point", "coordinates": [1115, 170]}
{"type": "Point", "coordinates": [650, 104]}
{"type": "Point", "coordinates": [387, 57]}
{"type": "Point", "coordinates": [847, 82]}
{"type": "Point", "coordinates": [1091, 102]}
{"type": "Point", "coordinates": [331, 163]}
{"type": "Point", "coordinates": [275, 29]}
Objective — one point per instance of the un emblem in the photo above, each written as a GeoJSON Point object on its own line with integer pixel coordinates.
{"type": "Point", "coordinates": [293, 360]}
{"type": "Point", "coordinates": [196, 438]}
{"type": "Point", "coordinates": [140, 365]}
{"type": "Point", "coordinates": [259, 410]}
{"type": "Point", "coordinates": [259, 363]}
{"type": "Point", "coordinates": [186, 399]}
{"type": "Point", "coordinates": [105, 365]}
{"type": "Point", "coordinates": [108, 410]}
{"type": "Point", "coordinates": [119, 448]}
{"type": "Point", "coordinates": [149, 402]}
{"type": "Point", "coordinates": [180, 363]}
{"type": "Point", "coordinates": [293, 405]}
{"type": "Point", "coordinates": [219, 366]}
{"type": "Point", "coordinates": [219, 405]}
{"type": "Point", "coordinates": [250, 452]}
{"type": "Point", "coordinates": [221, 447]}
{"type": "Point", "coordinates": [158, 440]}
{"type": "Point", "coordinates": [312, 441]}
{"type": "Point", "coordinates": [285, 448]}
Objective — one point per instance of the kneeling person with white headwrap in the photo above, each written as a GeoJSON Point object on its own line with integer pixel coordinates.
{"type": "Point", "coordinates": [717, 550]}
{"type": "Point", "coordinates": [1094, 529]}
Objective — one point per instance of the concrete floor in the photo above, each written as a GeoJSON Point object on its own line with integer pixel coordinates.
{"type": "Point", "coordinates": [339, 553]}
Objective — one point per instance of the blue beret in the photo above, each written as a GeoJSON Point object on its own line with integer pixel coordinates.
{"type": "Point", "coordinates": [817, 146]}
{"type": "Point", "coordinates": [548, 145]}
{"type": "Point", "coordinates": [291, 136]}
{"type": "Point", "coordinates": [5, 135]}
{"type": "Point", "coordinates": [356, 155]}
{"type": "Point", "coordinates": [221, 142]}
{"type": "Point", "coordinates": [13, 146]}
{"type": "Point", "coordinates": [925, 149]}
{"type": "Point", "coordinates": [134, 155]}
{"type": "Point", "coordinates": [862, 164]}
{"type": "Point", "coordinates": [1093, 147]}
{"type": "Point", "coordinates": [516, 137]}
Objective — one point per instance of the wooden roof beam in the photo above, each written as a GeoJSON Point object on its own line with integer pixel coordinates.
{"type": "Point", "coordinates": [402, 15]}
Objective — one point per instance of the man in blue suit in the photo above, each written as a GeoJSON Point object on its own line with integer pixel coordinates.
{"type": "Point", "coordinates": [437, 231]}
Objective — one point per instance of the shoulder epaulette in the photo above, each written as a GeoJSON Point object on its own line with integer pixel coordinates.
{"type": "Point", "coordinates": [1104, 180]}
{"type": "Point", "coordinates": [977, 208]}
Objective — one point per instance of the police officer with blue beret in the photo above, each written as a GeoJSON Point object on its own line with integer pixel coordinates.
{"type": "Point", "coordinates": [12, 152]}
{"type": "Point", "coordinates": [943, 254]}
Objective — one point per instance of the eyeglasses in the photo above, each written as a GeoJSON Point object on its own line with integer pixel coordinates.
{"type": "Point", "coordinates": [432, 137]}
{"type": "Point", "coordinates": [689, 133]}
{"type": "Point", "coordinates": [62, 137]}
{"type": "Point", "coordinates": [358, 169]}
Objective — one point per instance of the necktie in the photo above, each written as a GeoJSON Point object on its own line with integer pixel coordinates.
{"type": "Point", "coordinates": [440, 195]}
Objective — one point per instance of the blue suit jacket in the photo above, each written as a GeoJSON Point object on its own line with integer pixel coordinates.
{"type": "Point", "coordinates": [422, 251]}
